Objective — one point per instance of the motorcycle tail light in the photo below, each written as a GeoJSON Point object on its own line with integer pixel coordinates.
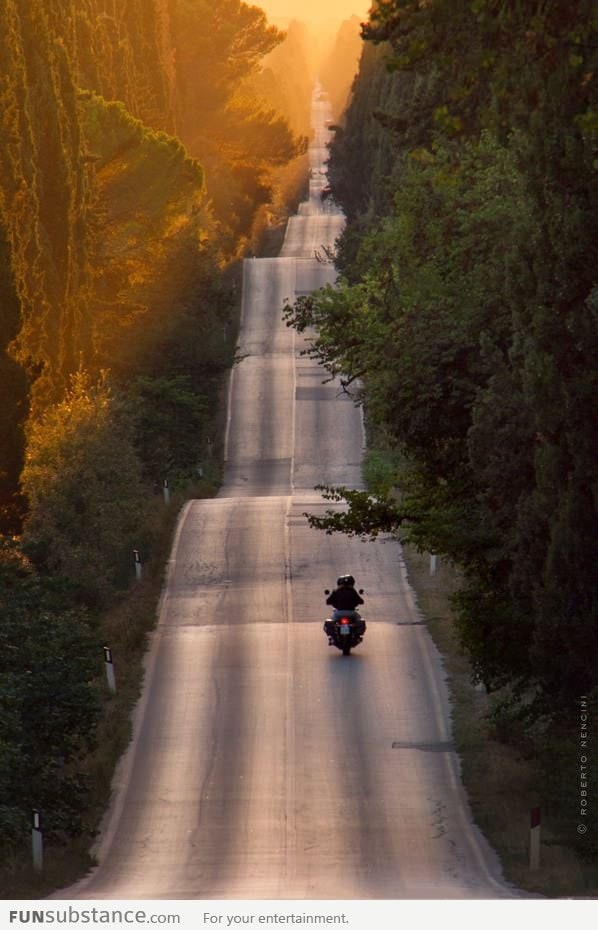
{"type": "Point", "coordinates": [345, 620]}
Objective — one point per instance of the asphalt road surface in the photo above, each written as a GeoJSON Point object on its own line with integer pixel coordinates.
{"type": "Point", "coordinates": [264, 763]}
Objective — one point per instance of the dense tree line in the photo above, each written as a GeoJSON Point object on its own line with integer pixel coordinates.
{"type": "Point", "coordinates": [238, 137]}
{"type": "Point", "coordinates": [467, 312]}
{"type": "Point", "coordinates": [285, 78]}
{"type": "Point", "coordinates": [340, 65]}
{"type": "Point", "coordinates": [136, 151]}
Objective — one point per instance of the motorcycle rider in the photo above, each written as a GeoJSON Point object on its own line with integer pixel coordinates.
{"type": "Point", "coordinates": [345, 599]}
{"type": "Point", "coordinates": [344, 596]}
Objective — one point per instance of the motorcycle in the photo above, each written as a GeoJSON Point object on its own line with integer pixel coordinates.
{"type": "Point", "coordinates": [345, 628]}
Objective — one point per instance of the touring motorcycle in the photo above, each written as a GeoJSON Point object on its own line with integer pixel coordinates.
{"type": "Point", "coordinates": [345, 628]}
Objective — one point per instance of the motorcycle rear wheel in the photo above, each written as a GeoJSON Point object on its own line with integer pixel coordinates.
{"type": "Point", "coordinates": [346, 650]}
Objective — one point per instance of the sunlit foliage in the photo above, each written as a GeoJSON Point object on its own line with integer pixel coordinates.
{"type": "Point", "coordinates": [86, 496]}
{"type": "Point", "coordinates": [236, 135]}
{"type": "Point", "coordinates": [135, 155]}
{"type": "Point", "coordinates": [339, 67]}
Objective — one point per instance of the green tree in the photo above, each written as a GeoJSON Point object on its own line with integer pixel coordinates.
{"type": "Point", "coordinates": [49, 705]}
{"type": "Point", "coordinates": [87, 500]}
{"type": "Point", "coordinates": [467, 308]}
{"type": "Point", "coordinates": [238, 137]}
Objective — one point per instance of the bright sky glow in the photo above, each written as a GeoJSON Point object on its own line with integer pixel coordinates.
{"type": "Point", "coordinates": [314, 10]}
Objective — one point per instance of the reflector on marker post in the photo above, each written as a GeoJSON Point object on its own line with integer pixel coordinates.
{"type": "Point", "coordinates": [37, 841]}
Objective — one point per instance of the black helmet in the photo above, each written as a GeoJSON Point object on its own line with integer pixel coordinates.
{"type": "Point", "coordinates": [345, 580]}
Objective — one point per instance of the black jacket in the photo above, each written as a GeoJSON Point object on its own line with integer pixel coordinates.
{"type": "Point", "coordinates": [344, 598]}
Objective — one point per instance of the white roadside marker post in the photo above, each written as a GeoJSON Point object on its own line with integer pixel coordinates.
{"type": "Point", "coordinates": [37, 842]}
{"type": "Point", "coordinates": [433, 563]}
{"type": "Point", "coordinates": [110, 676]}
{"type": "Point", "coordinates": [534, 839]}
{"type": "Point", "coordinates": [138, 565]}
{"type": "Point", "coordinates": [166, 490]}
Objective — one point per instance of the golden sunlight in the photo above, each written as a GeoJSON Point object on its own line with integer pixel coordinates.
{"type": "Point", "coordinates": [314, 11]}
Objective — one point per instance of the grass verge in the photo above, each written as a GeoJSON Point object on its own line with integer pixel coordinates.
{"type": "Point", "coordinates": [503, 784]}
{"type": "Point", "coordinates": [126, 627]}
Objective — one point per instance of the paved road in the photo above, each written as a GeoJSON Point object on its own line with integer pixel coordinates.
{"type": "Point", "coordinates": [265, 764]}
